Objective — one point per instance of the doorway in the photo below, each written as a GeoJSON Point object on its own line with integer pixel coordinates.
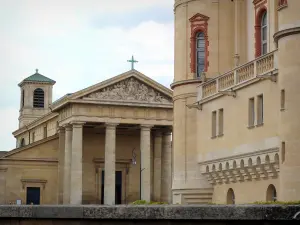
{"type": "Point", "coordinates": [33, 195]}
{"type": "Point", "coordinates": [118, 188]}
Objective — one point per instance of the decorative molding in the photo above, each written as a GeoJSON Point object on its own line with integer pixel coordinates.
{"type": "Point", "coordinates": [119, 161]}
{"type": "Point", "coordinates": [286, 32]}
{"type": "Point", "coordinates": [130, 89]}
{"type": "Point", "coordinates": [185, 82]}
{"type": "Point", "coordinates": [282, 4]}
{"type": "Point", "coordinates": [257, 165]}
{"type": "Point", "coordinates": [198, 24]}
{"type": "Point", "coordinates": [33, 181]}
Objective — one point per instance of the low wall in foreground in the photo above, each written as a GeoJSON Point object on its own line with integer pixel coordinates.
{"type": "Point", "coordinates": [158, 215]}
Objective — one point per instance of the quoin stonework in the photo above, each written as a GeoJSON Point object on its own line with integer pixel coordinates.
{"type": "Point", "coordinates": [227, 132]}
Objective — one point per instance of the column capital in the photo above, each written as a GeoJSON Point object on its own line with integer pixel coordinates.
{"type": "Point", "coordinates": [61, 129]}
{"type": "Point", "coordinates": [111, 125]}
{"type": "Point", "coordinates": [167, 131]}
{"type": "Point", "coordinates": [158, 133]}
{"type": "Point", "coordinates": [67, 127]}
{"type": "Point", "coordinates": [77, 124]}
{"type": "Point", "coordinates": [146, 126]}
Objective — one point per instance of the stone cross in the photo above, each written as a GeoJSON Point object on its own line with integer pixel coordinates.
{"type": "Point", "coordinates": [132, 61]}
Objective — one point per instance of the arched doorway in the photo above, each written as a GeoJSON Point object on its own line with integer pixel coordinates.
{"type": "Point", "coordinates": [230, 197]}
{"type": "Point", "coordinates": [271, 193]}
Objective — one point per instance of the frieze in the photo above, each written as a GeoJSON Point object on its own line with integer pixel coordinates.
{"type": "Point", "coordinates": [130, 90]}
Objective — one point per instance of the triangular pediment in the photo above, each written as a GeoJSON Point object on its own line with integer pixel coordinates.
{"type": "Point", "coordinates": [131, 87]}
{"type": "Point", "coordinates": [199, 17]}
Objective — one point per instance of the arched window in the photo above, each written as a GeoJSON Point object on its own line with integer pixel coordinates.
{"type": "Point", "coordinates": [230, 197]}
{"type": "Point", "coordinates": [38, 98]}
{"type": "Point", "coordinates": [22, 143]}
{"type": "Point", "coordinates": [261, 32]}
{"type": "Point", "coordinates": [271, 193]}
{"type": "Point", "coordinates": [200, 53]}
{"type": "Point", "coordinates": [264, 31]}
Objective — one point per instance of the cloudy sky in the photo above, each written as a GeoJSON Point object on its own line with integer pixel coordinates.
{"type": "Point", "coordinates": [79, 43]}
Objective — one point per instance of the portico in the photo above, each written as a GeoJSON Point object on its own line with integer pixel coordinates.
{"type": "Point", "coordinates": [152, 152]}
{"type": "Point", "coordinates": [123, 142]}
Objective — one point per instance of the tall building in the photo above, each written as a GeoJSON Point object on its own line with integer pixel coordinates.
{"type": "Point", "coordinates": [235, 93]}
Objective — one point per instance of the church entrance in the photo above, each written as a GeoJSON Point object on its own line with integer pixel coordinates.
{"type": "Point", "coordinates": [118, 188]}
{"type": "Point", "coordinates": [33, 195]}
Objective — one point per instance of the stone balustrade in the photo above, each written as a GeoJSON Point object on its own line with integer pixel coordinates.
{"type": "Point", "coordinates": [243, 74]}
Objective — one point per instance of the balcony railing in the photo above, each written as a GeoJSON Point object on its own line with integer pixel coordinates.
{"type": "Point", "coordinates": [242, 74]}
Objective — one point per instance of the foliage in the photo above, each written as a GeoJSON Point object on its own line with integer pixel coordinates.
{"type": "Point", "coordinates": [143, 202]}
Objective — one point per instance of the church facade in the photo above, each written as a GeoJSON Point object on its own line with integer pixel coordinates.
{"type": "Point", "coordinates": [107, 144]}
{"type": "Point", "coordinates": [235, 93]}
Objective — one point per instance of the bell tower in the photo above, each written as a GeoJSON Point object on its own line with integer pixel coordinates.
{"type": "Point", "coordinates": [36, 96]}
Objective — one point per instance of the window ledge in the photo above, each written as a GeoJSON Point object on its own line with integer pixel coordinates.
{"type": "Point", "coordinates": [214, 137]}
{"type": "Point", "coordinates": [282, 109]}
{"type": "Point", "coordinates": [251, 127]}
{"type": "Point", "coordinates": [220, 135]}
{"type": "Point", "coordinates": [259, 125]}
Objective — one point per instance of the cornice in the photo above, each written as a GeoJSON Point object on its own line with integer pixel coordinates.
{"type": "Point", "coordinates": [248, 154]}
{"type": "Point", "coordinates": [286, 32]}
{"type": "Point", "coordinates": [17, 150]}
{"type": "Point", "coordinates": [185, 82]}
{"type": "Point", "coordinates": [35, 123]}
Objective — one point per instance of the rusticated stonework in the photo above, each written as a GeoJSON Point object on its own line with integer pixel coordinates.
{"type": "Point", "coordinates": [130, 90]}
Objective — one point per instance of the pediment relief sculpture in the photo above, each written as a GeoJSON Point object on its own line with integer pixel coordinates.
{"type": "Point", "coordinates": [130, 90]}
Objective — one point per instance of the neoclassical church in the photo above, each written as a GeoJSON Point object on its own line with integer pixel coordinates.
{"type": "Point", "coordinates": [227, 133]}
{"type": "Point", "coordinates": [107, 144]}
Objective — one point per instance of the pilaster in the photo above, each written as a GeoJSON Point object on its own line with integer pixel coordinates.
{"type": "Point", "coordinates": [145, 163]}
{"type": "Point", "coordinates": [110, 164]}
{"type": "Point", "coordinates": [67, 164]}
{"type": "Point", "coordinates": [76, 164]}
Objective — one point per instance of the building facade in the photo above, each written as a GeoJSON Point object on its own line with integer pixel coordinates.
{"type": "Point", "coordinates": [235, 93]}
{"type": "Point", "coordinates": [107, 144]}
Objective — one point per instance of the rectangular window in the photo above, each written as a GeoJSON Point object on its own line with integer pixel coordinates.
{"type": "Point", "coordinates": [260, 110]}
{"type": "Point", "coordinates": [251, 113]}
{"type": "Point", "coordinates": [221, 121]}
{"type": "Point", "coordinates": [214, 124]}
{"type": "Point", "coordinates": [33, 136]}
{"type": "Point", "coordinates": [282, 99]}
{"type": "Point", "coordinates": [45, 132]}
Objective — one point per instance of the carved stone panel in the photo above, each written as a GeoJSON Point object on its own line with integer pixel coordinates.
{"type": "Point", "coordinates": [130, 89]}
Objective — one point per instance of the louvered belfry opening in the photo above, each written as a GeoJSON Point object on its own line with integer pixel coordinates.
{"type": "Point", "coordinates": [38, 98]}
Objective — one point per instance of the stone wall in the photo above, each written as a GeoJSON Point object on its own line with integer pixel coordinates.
{"type": "Point", "coordinates": [208, 215]}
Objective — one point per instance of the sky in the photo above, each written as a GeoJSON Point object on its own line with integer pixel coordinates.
{"type": "Point", "coordinates": [79, 43]}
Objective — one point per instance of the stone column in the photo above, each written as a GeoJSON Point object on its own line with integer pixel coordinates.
{"type": "Point", "coordinates": [157, 166]}
{"type": "Point", "coordinates": [61, 156]}
{"type": "Point", "coordinates": [110, 164]}
{"type": "Point", "coordinates": [145, 163]}
{"type": "Point", "coordinates": [166, 179]}
{"type": "Point", "coordinates": [67, 164]}
{"type": "Point", "coordinates": [76, 165]}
